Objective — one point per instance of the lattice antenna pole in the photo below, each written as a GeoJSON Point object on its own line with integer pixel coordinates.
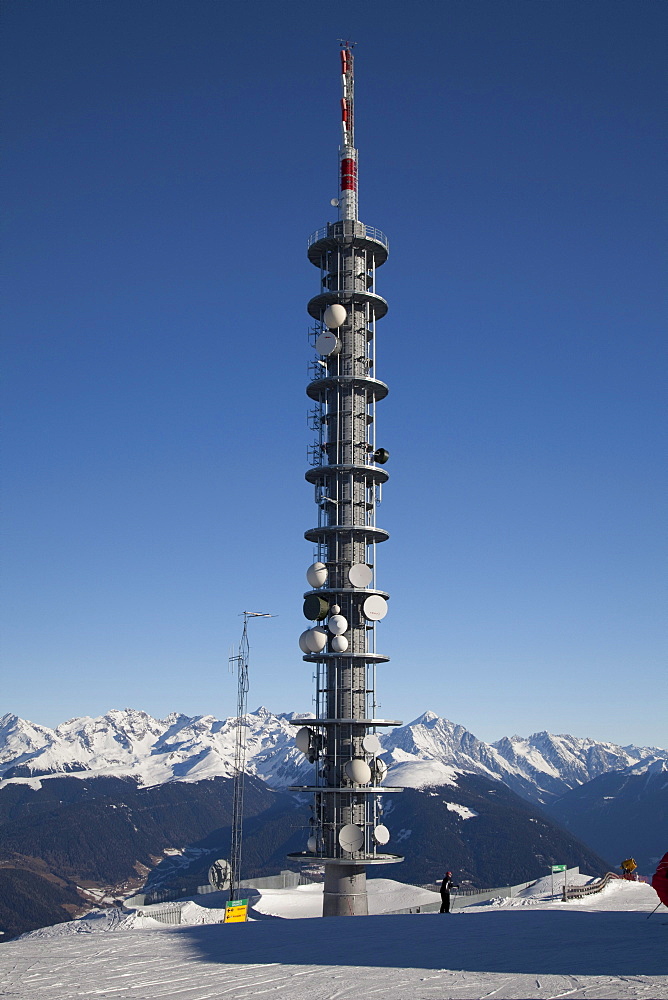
{"type": "Point", "coordinates": [241, 660]}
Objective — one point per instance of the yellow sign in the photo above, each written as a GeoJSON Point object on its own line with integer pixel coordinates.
{"type": "Point", "coordinates": [236, 911]}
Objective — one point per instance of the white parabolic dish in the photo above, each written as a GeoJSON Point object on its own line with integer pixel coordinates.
{"type": "Point", "coordinates": [303, 739]}
{"type": "Point", "coordinates": [303, 644]}
{"type": "Point", "coordinates": [381, 834]}
{"type": "Point", "coordinates": [358, 771]}
{"type": "Point", "coordinates": [328, 343]}
{"type": "Point", "coordinates": [360, 575]}
{"type": "Point", "coordinates": [371, 743]}
{"type": "Point", "coordinates": [316, 574]}
{"type": "Point", "coordinates": [374, 608]}
{"type": "Point", "coordinates": [351, 837]}
{"type": "Point", "coordinates": [316, 639]}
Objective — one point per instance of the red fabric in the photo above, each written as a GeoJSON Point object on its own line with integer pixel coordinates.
{"type": "Point", "coordinates": [660, 880]}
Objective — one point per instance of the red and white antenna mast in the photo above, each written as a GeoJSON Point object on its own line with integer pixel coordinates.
{"type": "Point", "coordinates": [347, 151]}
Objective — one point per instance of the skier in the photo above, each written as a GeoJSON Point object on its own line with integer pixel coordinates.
{"type": "Point", "coordinates": [446, 886]}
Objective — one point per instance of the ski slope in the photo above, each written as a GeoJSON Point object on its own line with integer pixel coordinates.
{"type": "Point", "coordinates": [529, 946]}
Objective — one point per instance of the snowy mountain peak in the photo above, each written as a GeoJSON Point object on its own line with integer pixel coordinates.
{"type": "Point", "coordinates": [263, 713]}
{"type": "Point", "coordinates": [649, 765]}
{"type": "Point", "coordinates": [428, 751]}
{"type": "Point", "coordinates": [425, 718]}
{"type": "Point", "coordinates": [127, 742]}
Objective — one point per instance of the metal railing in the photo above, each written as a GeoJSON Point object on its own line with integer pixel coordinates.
{"type": "Point", "coordinates": [163, 914]}
{"type": "Point", "coordinates": [578, 891]}
{"type": "Point", "coordinates": [284, 880]}
{"type": "Point", "coordinates": [370, 232]}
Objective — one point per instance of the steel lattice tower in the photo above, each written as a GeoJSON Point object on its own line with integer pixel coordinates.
{"type": "Point", "coordinates": [241, 663]}
{"type": "Point", "coordinates": [347, 832]}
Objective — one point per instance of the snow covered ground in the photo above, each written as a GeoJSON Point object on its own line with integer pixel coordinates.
{"type": "Point", "coordinates": [520, 948]}
{"type": "Point", "coordinates": [385, 895]}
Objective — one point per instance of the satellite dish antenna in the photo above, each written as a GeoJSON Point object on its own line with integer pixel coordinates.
{"type": "Point", "coordinates": [360, 575]}
{"type": "Point", "coordinates": [380, 767]}
{"type": "Point", "coordinates": [219, 874]}
{"type": "Point", "coordinates": [381, 834]}
{"type": "Point", "coordinates": [338, 625]}
{"type": "Point", "coordinates": [371, 743]}
{"type": "Point", "coordinates": [316, 574]}
{"type": "Point", "coordinates": [351, 837]}
{"type": "Point", "coordinates": [303, 739]}
{"type": "Point", "coordinates": [315, 608]}
{"type": "Point", "coordinates": [316, 639]}
{"type": "Point", "coordinates": [374, 608]}
{"type": "Point", "coordinates": [335, 316]}
{"type": "Point", "coordinates": [358, 771]}
{"type": "Point", "coordinates": [328, 343]}
{"type": "Point", "coordinates": [334, 202]}
{"type": "Point", "coordinates": [303, 645]}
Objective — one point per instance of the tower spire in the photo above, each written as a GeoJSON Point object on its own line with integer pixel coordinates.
{"type": "Point", "coordinates": [347, 151]}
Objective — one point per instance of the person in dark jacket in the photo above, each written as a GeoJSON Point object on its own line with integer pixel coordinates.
{"type": "Point", "coordinates": [446, 886]}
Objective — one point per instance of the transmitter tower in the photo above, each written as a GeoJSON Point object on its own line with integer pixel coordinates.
{"type": "Point", "coordinates": [345, 602]}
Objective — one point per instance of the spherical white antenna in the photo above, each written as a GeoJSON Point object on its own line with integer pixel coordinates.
{"type": "Point", "coordinates": [338, 625]}
{"type": "Point", "coordinates": [335, 316]}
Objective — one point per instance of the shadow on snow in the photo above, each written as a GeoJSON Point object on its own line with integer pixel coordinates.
{"type": "Point", "coordinates": [561, 943]}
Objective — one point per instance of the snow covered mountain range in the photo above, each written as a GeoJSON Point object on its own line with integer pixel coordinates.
{"type": "Point", "coordinates": [428, 751]}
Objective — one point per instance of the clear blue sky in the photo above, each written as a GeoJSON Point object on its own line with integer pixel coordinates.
{"type": "Point", "coordinates": [164, 164]}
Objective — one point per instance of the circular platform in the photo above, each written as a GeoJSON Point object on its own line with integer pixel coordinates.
{"type": "Point", "coordinates": [333, 591]}
{"type": "Point", "coordinates": [366, 657]}
{"type": "Point", "coordinates": [370, 472]}
{"type": "Point", "coordinates": [345, 233]}
{"type": "Point", "coordinates": [316, 388]}
{"type": "Point", "coordinates": [327, 530]}
{"type": "Point", "coordinates": [372, 859]}
{"type": "Point", "coordinates": [377, 304]}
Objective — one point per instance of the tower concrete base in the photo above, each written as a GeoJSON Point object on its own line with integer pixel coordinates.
{"type": "Point", "coordinates": [345, 891]}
